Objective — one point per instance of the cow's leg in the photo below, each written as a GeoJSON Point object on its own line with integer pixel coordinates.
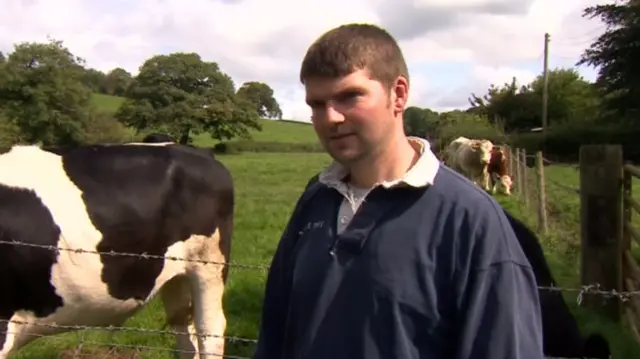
{"type": "Point", "coordinates": [176, 297]}
{"type": "Point", "coordinates": [20, 330]}
{"type": "Point", "coordinates": [485, 179]}
{"type": "Point", "coordinates": [208, 289]}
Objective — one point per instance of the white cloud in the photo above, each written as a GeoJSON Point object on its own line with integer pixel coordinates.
{"type": "Point", "coordinates": [488, 40]}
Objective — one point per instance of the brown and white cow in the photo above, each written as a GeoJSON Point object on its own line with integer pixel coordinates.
{"type": "Point", "coordinates": [163, 199]}
{"type": "Point", "coordinates": [498, 172]}
{"type": "Point", "coordinates": [470, 157]}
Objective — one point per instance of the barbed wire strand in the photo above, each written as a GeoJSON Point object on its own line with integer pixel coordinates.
{"type": "Point", "coordinates": [135, 255]}
{"type": "Point", "coordinates": [132, 346]}
{"type": "Point", "coordinates": [113, 345]}
{"type": "Point", "coordinates": [593, 289]}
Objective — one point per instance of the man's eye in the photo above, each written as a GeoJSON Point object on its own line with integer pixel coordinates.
{"type": "Point", "coordinates": [347, 96]}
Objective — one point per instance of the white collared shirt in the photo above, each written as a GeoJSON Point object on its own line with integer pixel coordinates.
{"type": "Point", "coordinates": [421, 174]}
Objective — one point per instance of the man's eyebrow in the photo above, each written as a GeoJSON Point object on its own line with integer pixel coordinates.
{"type": "Point", "coordinates": [341, 92]}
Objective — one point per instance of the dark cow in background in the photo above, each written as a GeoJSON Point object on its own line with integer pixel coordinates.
{"type": "Point", "coordinates": [560, 332]}
{"type": "Point", "coordinates": [160, 200]}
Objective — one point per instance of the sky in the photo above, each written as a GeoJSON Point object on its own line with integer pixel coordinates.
{"type": "Point", "coordinates": [453, 47]}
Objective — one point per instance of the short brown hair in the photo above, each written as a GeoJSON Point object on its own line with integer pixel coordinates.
{"type": "Point", "coordinates": [348, 48]}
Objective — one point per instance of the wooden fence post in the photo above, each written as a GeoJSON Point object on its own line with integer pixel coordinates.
{"type": "Point", "coordinates": [518, 173]}
{"type": "Point", "coordinates": [542, 195]}
{"type": "Point", "coordinates": [601, 224]}
{"type": "Point", "coordinates": [626, 211]}
{"type": "Point", "coordinates": [525, 182]}
{"type": "Point", "coordinates": [510, 157]}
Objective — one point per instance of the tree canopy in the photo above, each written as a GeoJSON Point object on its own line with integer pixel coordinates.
{"type": "Point", "coordinates": [616, 54]}
{"type": "Point", "coordinates": [42, 94]}
{"type": "Point", "coordinates": [45, 97]}
{"type": "Point", "coordinates": [181, 94]}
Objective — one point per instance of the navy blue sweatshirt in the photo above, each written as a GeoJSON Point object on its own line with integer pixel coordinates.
{"type": "Point", "coordinates": [419, 273]}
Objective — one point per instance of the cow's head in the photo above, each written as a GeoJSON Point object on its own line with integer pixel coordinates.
{"type": "Point", "coordinates": [497, 155]}
{"type": "Point", "coordinates": [483, 148]}
{"type": "Point", "coordinates": [504, 185]}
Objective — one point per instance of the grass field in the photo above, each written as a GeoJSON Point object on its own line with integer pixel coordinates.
{"type": "Point", "coordinates": [267, 187]}
{"type": "Point", "coordinates": [272, 130]}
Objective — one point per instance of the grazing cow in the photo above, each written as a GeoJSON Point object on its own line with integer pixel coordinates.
{"type": "Point", "coordinates": [159, 200]}
{"type": "Point", "coordinates": [470, 158]}
{"type": "Point", "coordinates": [498, 173]}
{"type": "Point", "coordinates": [560, 333]}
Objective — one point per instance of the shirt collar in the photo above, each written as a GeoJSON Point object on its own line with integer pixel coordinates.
{"type": "Point", "coordinates": [422, 173]}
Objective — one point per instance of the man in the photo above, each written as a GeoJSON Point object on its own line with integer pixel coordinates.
{"type": "Point", "coordinates": [390, 255]}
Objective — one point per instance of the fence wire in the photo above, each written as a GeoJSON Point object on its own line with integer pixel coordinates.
{"type": "Point", "coordinates": [593, 289]}
{"type": "Point", "coordinates": [80, 351]}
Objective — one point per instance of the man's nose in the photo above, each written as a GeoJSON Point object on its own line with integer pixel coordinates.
{"type": "Point", "coordinates": [333, 115]}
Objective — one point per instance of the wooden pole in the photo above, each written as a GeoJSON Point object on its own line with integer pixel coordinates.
{"type": "Point", "coordinates": [518, 172]}
{"type": "Point", "coordinates": [542, 195]}
{"type": "Point", "coordinates": [525, 183]}
{"type": "Point", "coordinates": [601, 224]}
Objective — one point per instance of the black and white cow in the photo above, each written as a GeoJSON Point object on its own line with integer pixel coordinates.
{"type": "Point", "coordinates": [560, 332]}
{"type": "Point", "coordinates": [159, 199]}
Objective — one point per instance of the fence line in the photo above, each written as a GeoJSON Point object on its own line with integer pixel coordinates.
{"type": "Point", "coordinates": [531, 196]}
{"type": "Point", "coordinates": [139, 347]}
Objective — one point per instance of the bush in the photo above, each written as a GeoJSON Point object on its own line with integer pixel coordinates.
{"type": "Point", "coordinates": [9, 134]}
{"type": "Point", "coordinates": [104, 128]}
{"type": "Point", "coordinates": [563, 142]}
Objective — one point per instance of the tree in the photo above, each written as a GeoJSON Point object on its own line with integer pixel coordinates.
{"type": "Point", "coordinates": [420, 122]}
{"type": "Point", "coordinates": [571, 97]}
{"type": "Point", "coordinates": [2, 58]}
{"type": "Point", "coordinates": [117, 81]}
{"type": "Point", "coordinates": [510, 106]}
{"type": "Point", "coordinates": [616, 54]}
{"type": "Point", "coordinates": [94, 80]}
{"type": "Point", "coordinates": [182, 95]}
{"type": "Point", "coordinates": [261, 95]}
{"type": "Point", "coordinates": [42, 94]}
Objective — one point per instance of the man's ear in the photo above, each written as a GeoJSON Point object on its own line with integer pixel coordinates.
{"type": "Point", "coordinates": [400, 94]}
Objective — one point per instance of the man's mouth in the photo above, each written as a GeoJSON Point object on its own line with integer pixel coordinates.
{"type": "Point", "coordinates": [341, 136]}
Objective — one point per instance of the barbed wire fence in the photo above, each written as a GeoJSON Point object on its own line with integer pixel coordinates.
{"type": "Point", "coordinates": [86, 348]}
{"type": "Point", "coordinates": [538, 191]}
{"type": "Point", "coordinates": [566, 201]}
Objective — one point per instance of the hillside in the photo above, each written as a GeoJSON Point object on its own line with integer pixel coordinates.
{"type": "Point", "coordinates": [282, 131]}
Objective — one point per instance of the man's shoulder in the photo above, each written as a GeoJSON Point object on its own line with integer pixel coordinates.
{"type": "Point", "coordinates": [488, 235]}
{"type": "Point", "coordinates": [456, 191]}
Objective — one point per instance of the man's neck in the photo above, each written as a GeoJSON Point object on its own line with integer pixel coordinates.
{"type": "Point", "coordinates": [391, 163]}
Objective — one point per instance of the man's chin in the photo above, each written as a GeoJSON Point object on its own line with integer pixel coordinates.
{"type": "Point", "coordinates": [346, 157]}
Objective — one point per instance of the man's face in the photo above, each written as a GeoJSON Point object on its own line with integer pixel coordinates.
{"type": "Point", "coordinates": [354, 116]}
